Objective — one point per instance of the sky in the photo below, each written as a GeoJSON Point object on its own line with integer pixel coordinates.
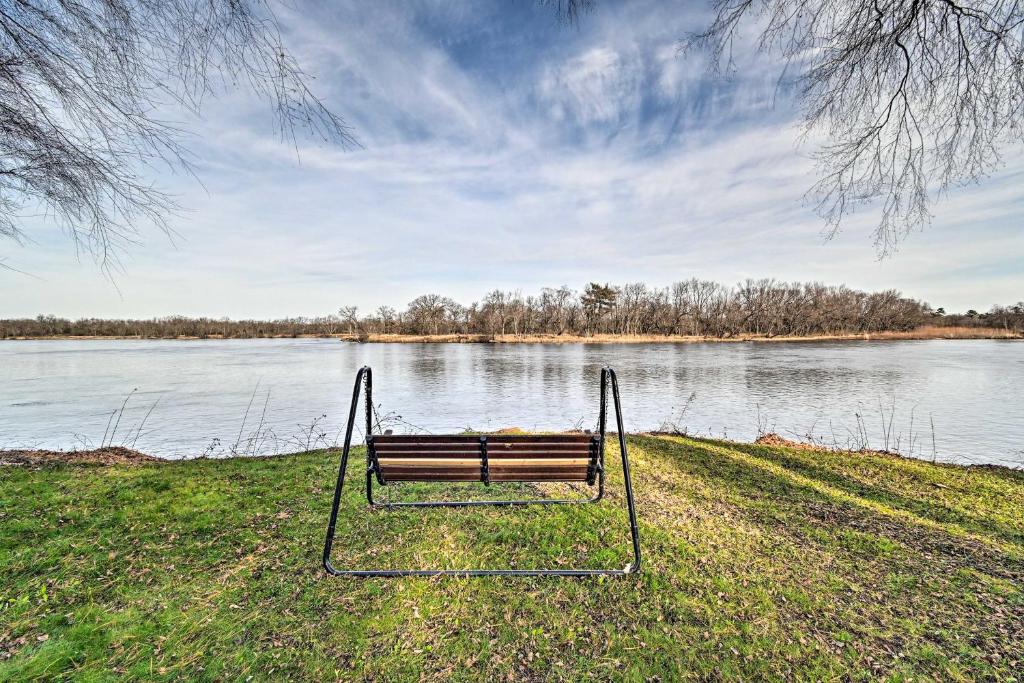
{"type": "Point", "coordinates": [503, 149]}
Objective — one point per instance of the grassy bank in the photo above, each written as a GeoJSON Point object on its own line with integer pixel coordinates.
{"type": "Point", "coordinates": [760, 562]}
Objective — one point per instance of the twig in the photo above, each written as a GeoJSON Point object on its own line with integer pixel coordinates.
{"type": "Point", "coordinates": [107, 428]}
{"type": "Point", "coordinates": [120, 413]}
{"type": "Point", "coordinates": [138, 432]}
{"type": "Point", "coordinates": [238, 440]}
{"type": "Point", "coordinates": [934, 452]}
{"type": "Point", "coordinates": [256, 441]}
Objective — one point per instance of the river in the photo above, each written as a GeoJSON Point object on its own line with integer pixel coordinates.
{"type": "Point", "coordinates": [954, 401]}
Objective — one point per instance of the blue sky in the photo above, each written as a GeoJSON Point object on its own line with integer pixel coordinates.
{"type": "Point", "coordinates": [501, 149]}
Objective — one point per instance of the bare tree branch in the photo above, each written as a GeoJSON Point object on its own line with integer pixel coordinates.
{"type": "Point", "coordinates": [569, 11]}
{"type": "Point", "coordinates": [82, 87]}
{"type": "Point", "coordinates": [913, 97]}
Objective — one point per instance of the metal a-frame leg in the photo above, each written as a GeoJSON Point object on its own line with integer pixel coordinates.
{"type": "Point", "coordinates": [365, 374]}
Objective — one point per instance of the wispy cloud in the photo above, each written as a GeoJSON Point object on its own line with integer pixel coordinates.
{"type": "Point", "coordinates": [501, 149]}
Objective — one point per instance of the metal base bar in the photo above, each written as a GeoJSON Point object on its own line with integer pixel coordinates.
{"type": "Point", "coordinates": [366, 374]}
{"type": "Point", "coordinates": [466, 573]}
{"type": "Point", "coordinates": [473, 503]}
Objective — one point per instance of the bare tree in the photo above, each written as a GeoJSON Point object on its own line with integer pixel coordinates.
{"type": "Point", "coordinates": [913, 97]}
{"type": "Point", "coordinates": [432, 314]}
{"type": "Point", "coordinates": [350, 316]}
{"type": "Point", "coordinates": [1007, 317]}
{"type": "Point", "coordinates": [557, 308]}
{"type": "Point", "coordinates": [82, 86]}
{"type": "Point", "coordinates": [763, 307]}
{"type": "Point", "coordinates": [387, 317]}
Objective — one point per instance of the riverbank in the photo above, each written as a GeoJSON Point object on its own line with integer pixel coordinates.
{"type": "Point", "coordinates": [760, 562]}
{"type": "Point", "coordinates": [921, 333]}
{"type": "Point", "coordinates": [918, 334]}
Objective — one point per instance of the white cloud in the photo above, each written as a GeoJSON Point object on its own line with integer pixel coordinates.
{"type": "Point", "coordinates": [599, 154]}
{"type": "Point", "coordinates": [598, 86]}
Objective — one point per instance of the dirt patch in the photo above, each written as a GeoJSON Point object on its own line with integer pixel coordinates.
{"type": "Point", "coordinates": [115, 455]}
{"type": "Point", "coordinates": [773, 439]}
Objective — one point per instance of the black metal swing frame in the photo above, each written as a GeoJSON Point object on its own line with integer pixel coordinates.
{"type": "Point", "coordinates": [364, 380]}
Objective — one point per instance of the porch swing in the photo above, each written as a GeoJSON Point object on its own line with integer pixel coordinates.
{"type": "Point", "coordinates": [491, 459]}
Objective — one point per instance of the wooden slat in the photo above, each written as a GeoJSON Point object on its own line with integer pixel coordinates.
{"type": "Point", "coordinates": [470, 448]}
{"type": "Point", "coordinates": [526, 438]}
{"type": "Point", "coordinates": [496, 457]}
{"type": "Point", "coordinates": [553, 471]}
{"type": "Point", "coordinates": [499, 462]}
{"type": "Point", "coordinates": [491, 438]}
{"type": "Point", "coordinates": [381, 450]}
{"type": "Point", "coordinates": [578, 453]}
{"type": "Point", "coordinates": [432, 476]}
{"type": "Point", "coordinates": [540, 467]}
{"type": "Point", "coordinates": [530, 475]}
{"type": "Point", "coordinates": [527, 477]}
{"type": "Point", "coordinates": [536, 446]}
{"type": "Point", "coordinates": [430, 456]}
{"type": "Point", "coordinates": [500, 446]}
{"type": "Point", "coordinates": [502, 477]}
{"type": "Point", "coordinates": [433, 463]}
{"type": "Point", "coordinates": [395, 469]}
{"type": "Point", "coordinates": [562, 469]}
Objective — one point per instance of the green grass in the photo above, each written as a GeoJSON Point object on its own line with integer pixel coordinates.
{"type": "Point", "coordinates": [758, 563]}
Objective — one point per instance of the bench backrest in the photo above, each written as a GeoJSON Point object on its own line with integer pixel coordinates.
{"type": "Point", "coordinates": [489, 458]}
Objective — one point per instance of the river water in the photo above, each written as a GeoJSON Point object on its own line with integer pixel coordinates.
{"type": "Point", "coordinates": [955, 401]}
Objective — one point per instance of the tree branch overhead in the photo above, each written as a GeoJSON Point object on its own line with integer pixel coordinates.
{"type": "Point", "coordinates": [913, 98]}
{"type": "Point", "coordinates": [81, 87]}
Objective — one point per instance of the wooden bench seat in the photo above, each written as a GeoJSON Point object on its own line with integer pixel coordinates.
{"type": "Point", "coordinates": [486, 458]}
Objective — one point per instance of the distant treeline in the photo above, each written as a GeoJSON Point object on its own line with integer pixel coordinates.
{"type": "Point", "coordinates": [692, 307]}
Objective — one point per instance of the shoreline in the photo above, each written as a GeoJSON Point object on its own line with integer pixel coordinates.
{"type": "Point", "coordinates": [119, 456]}
{"type": "Point", "coordinates": [919, 334]}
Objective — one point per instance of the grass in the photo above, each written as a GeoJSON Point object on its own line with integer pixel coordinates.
{"type": "Point", "coordinates": [759, 563]}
